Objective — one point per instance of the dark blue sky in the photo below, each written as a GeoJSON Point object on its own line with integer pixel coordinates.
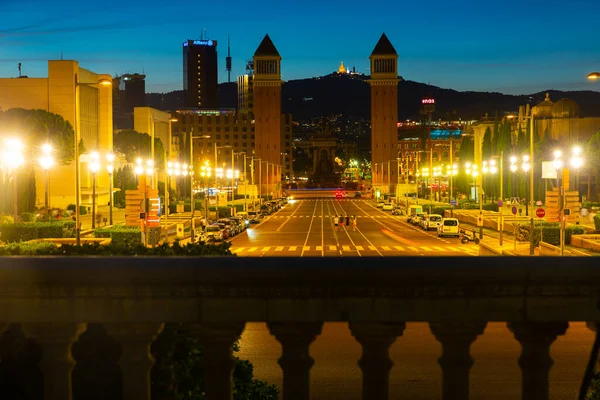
{"type": "Point", "coordinates": [509, 46]}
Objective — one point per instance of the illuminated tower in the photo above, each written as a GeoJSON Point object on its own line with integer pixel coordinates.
{"type": "Point", "coordinates": [267, 114]}
{"type": "Point", "coordinates": [384, 113]}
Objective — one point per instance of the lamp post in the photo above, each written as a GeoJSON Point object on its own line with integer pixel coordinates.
{"type": "Point", "coordinates": [577, 163]}
{"type": "Point", "coordinates": [46, 161]}
{"type": "Point", "coordinates": [558, 165]}
{"type": "Point", "coordinates": [104, 82]}
{"type": "Point", "coordinates": [13, 159]}
{"type": "Point", "coordinates": [110, 168]}
{"type": "Point", "coordinates": [94, 166]}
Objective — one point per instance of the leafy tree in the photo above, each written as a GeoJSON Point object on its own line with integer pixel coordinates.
{"type": "Point", "coordinates": [134, 144]}
{"type": "Point", "coordinates": [592, 157]}
{"type": "Point", "coordinates": [486, 146]}
{"type": "Point", "coordinates": [178, 371]}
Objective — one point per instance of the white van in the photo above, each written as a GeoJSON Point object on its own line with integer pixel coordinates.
{"type": "Point", "coordinates": [432, 221]}
{"type": "Point", "coordinates": [448, 227]}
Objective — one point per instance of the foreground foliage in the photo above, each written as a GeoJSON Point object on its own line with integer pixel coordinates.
{"type": "Point", "coordinates": [95, 249]}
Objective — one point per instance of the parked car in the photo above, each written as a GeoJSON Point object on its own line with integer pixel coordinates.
{"type": "Point", "coordinates": [432, 221]}
{"type": "Point", "coordinates": [232, 225]}
{"type": "Point", "coordinates": [421, 219]}
{"type": "Point", "coordinates": [254, 217]}
{"type": "Point", "coordinates": [240, 222]}
{"type": "Point", "coordinates": [357, 194]}
{"type": "Point", "coordinates": [415, 218]}
{"type": "Point", "coordinates": [225, 229]}
{"type": "Point", "coordinates": [397, 211]}
{"type": "Point", "coordinates": [387, 207]}
{"type": "Point", "coordinates": [213, 232]}
{"type": "Point", "coordinates": [380, 204]}
{"type": "Point", "coordinates": [448, 227]}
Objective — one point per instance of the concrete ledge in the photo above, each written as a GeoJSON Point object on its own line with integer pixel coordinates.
{"type": "Point", "coordinates": [547, 249]}
{"type": "Point", "coordinates": [591, 242]}
{"type": "Point", "coordinates": [488, 250]}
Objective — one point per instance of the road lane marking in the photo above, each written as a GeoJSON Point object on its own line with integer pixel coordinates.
{"type": "Point", "coordinates": [322, 230]}
{"type": "Point", "coordinates": [239, 249]}
{"type": "Point", "coordinates": [346, 248]}
{"type": "Point", "coordinates": [425, 248]}
{"type": "Point", "coordinates": [373, 248]}
{"type": "Point", "coordinates": [332, 248]}
{"type": "Point", "coordinates": [399, 248]}
{"type": "Point", "coordinates": [279, 248]}
{"type": "Point", "coordinates": [252, 249]}
{"type": "Point", "coordinates": [359, 248]}
{"type": "Point", "coordinates": [293, 248]}
{"type": "Point", "coordinates": [438, 248]}
{"type": "Point", "coordinates": [413, 248]}
{"type": "Point", "coordinates": [454, 249]}
{"type": "Point", "coordinates": [289, 217]}
{"type": "Point", "coordinates": [346, 230]}
{"type": "Point", "coordinates": [309, 229]}
{"type": "Point", "coordinates": [265, 249]}
{"type": "Point", "coordinates": [386, 248]}
{"type": "Point", "coordinates": [320, 248]}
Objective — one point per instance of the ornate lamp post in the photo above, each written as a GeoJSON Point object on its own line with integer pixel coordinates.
{"type": "Point", "coordinates": [94, 166]}
{"type": "Point", "coordinates": [110, 168]}
{"type": "Point", "coordinates": [46, 161]}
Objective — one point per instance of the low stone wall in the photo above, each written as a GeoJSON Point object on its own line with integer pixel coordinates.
{"type": "Point", "coordinates": [547, 249]}
{"type": "Point", "coordinates": [488, 250]}
{"type": "Point", "coordinates": [591, 242]}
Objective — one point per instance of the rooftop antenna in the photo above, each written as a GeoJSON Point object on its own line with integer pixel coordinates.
{"type": "Point", "coordinates": [19, 70]}
{"type": "Point", "coordinates": [228, 60]}
{"type": "Point", "coordinates": [61, 55]}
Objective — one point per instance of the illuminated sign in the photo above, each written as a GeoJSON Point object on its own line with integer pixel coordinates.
{"type": "Point", "coordinates": [199, 43]}
{"type": "Point", "coordinates": [428, 101]}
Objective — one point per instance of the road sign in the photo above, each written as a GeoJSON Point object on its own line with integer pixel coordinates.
{"type": "Point", "coordinates": [179, 230]}
{"type": "Point", "coordinates": [514, 210]}
{"type": "Point", "coordinates": [540, 212]}
{"type": "Point", "coordinates": [514, 201]}
{"type": "Point", "coordinates": [480, 220]}
{"type": "Point", "coordinates": [500, 203]}
{"type": "Point", "coordinates": [453, 202]}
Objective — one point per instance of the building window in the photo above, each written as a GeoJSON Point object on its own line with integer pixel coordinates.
{"type": "Point", "coordinates": [244, 129]}
{"type": "Point", "coordinates": [218, 136]}
{"type": "Point", "coordinates": [252, 144]}
{"type": "Point", "coordinates": [252, 130]}
{"type": "Point", "coordinates": [235, 128]}
{"type": "Point", "coordinates": [218, 144]}
{"type": "Point", "coordinates": [208, 129]}
{"type": "Point", "coordinates": [244, 137]}
{"type": "Point", "coordinates": [245, 144]}
{"type": "Point", "coordinates": [218, 129]}
{"type": "Point", "coordinates": [236, 144]}
{"type": "Point", "coordinates": [226, 129]}
{"type": "Point", "coordinates": [235, 136]}
{"type": "Point", "coordinates": [227, 137]}
{"type": "Point", "coordinates": [252, 137]}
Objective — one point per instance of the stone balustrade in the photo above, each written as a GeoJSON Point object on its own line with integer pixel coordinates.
{"type": "Point", "coordinates": [54, 300]}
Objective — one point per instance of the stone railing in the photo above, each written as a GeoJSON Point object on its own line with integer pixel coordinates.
{"type": "Point", "coordinates": [54, 300]}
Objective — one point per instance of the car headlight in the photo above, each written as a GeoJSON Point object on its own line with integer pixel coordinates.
{"type": "Point", "coordinates": [247, 222]}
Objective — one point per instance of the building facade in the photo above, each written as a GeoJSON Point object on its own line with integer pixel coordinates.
{"type": "Point", "coordinates": [384, 113]}
{"type": "Point", "coordinates": [229, 131]}
{"type": "Point", "coordinates": [200, 74]}
{"type": "Point", "coordinates": [129, 91]}
{"type": "Point", "coordinates": [84, 99]}
{"type": "Point", "coordinates": [245, 90]}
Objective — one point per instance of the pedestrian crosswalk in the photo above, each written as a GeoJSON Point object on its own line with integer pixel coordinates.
{"type": "Point", "coordinates": [331, 216]}
{"type": "Point", "coordinates": [429, 250]}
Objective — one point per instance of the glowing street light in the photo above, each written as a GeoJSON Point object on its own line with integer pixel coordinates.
{"type": "Point", "coordinates": [12, 158]}
{"type": "Point", "coordinates": [592, 76]}
{"type": "Point", "coordinates": [94, 167]}
{"type": "Point", "coordinates": [46, 162]}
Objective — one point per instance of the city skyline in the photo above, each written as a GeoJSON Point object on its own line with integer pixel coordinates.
{"type": "Point", "coordinates": [540, 46]}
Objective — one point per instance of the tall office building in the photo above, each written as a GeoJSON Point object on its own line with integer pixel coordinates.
{"type": "Point", "coordinates": [200, 74]}
{"type": "Point", "coordinates": [245, 90]}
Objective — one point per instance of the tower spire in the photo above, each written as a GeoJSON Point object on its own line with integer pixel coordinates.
{"type": "Point", "coordinates": [228, 59]}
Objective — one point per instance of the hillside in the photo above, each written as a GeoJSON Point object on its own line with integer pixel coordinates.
{"type": "Point", "coordinates": [333, 94]}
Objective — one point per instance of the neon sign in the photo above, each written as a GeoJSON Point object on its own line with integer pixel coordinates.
{"type": "Point", "coordinates": [200, 43]}
{"type": "Point", "coordinates": [428, 101]}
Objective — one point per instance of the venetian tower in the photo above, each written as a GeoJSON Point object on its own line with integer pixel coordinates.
{"type": "Point", "coordinates": [384, 115]}
{"type": "Point", "coordinates": [267, 116]}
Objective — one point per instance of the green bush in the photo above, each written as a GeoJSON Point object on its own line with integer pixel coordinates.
{"type": "Point", "coordinates": [597, 221]}
{"type": "Point", "coordinates": [439, 210]}
{"type": "Point", "coordinates": [590, 204]}
{"type": "Point", "coordinates": [121, 235]}
{"type": "Point", "coordinates": [24, 231]}
{"type": "Point", "coordinates": [95, 249]}
{"type": "Point", "coordinates": [573, 230]}
{"type": "Point", "coordinates": [6, 219]}
{"type": "Point", "coordinates": [82, 209]}
{"type": "Point", "coordinates": [28, 217]}
{"type": "Point", "coordinates": [490, 207]}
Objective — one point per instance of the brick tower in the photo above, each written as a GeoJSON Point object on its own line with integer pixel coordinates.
{"type": "Point", "coordinates": [267, 115]}
{"type": "Point", "coordinates": [384, 114]}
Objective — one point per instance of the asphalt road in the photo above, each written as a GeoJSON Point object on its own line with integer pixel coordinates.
{"type": "Point", "coordinates": [305, 228]}
{"type": "Point", "coordinates": [416, 374]}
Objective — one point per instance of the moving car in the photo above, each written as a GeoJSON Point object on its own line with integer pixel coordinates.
{"type": "Point", "coordinates": [418, 218]}
{"type": "Point", "coordinates": [448, 227]}
{"type": "Point", "coordinates": [357, 194]}
{"type": "Point", "coordinates": [339, 194]}
{"type": "Point", "coordinates": [397, 211]}
{"type": "Point", "coordinates": [387, 207]}
{"type": "Point", "coordinates": [432, 222]}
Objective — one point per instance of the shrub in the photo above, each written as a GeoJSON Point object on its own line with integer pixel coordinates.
{"type": "Point", "coordinates": [573, 230]}
{"type": "Point", "coordinates": [121, 235]}
{"type": "Point", "coordinates": [490, 207]}
{"type": "Point", "coordinates": [6, 219]}
{"type": "Point", "coordinates": [597, 221]}
{"type": "Point", "coordinates": [24, 231]}
{"type": "Point", "coordinates": [590, 204]}
{"type": "Point", "coordinates": [82, 209]}
{"type": "Point", "coordinates": [28, 217]}
{"type": "Point", "coordinates": [29, 249]}
{"type": "Point", "coordinates": [439, 210]}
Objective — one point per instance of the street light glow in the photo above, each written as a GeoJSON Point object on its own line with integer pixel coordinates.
{"type": "Point", "coordinates": [593, 76]}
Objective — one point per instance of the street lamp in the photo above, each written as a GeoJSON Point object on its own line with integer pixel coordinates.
{"type": "Point", "coordinates": [46, 161]}
{"type": "Point", "coordinates": [558, 165]}
{"type": "Point", "coordinates": [77, 136]}
{"type": "Point", "coordinates": [13, 158]}
{"type": "Point", "coordinates": [577, 163]}
{"type": "Point", "coordinates": [94, 166]}
{"type": "Point", "coordinates": [110, 168]}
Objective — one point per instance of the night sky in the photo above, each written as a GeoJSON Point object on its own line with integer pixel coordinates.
{"type": "Point", "coordinates": [508, 46]}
